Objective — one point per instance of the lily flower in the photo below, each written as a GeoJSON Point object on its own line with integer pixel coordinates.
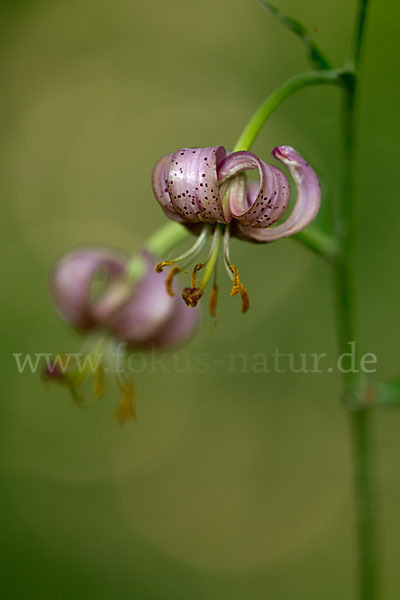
{"type": "Point", "coordinates": [95, 293]}
{"type": "Point", "coordinates": [206, 189]}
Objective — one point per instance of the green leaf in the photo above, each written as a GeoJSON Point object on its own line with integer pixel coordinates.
{"type": "Point", "coordinates": [315, 55]}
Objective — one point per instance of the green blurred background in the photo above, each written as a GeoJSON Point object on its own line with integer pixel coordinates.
{"type": "Point", "coordinates": [230, 485]}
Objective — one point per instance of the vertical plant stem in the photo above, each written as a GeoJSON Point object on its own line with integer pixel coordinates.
{"type": "Point", "coordinates": [341, 255]}
{"type": "Point", "coordinates": [355, 48]}
{"type": "Point", "coordinates": [359, 413]}
{"type": "Point", "coordinates": [368, 584]}
{"type": "Point", "coordinates": [344, 226]}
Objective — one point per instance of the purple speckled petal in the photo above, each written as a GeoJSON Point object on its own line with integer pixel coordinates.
{"type": "Point", "coordinates": [264, 204]}
{"type": "Point", "coordinates": [307, 203]}
{"type": "Point", "coordinates": [159, 181]}
{"type": "Point", "coordinates": [71, 280]}
{"type": "Point", "coordinates": [192, 184]}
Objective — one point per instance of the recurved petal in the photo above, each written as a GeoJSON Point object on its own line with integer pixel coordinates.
{"type": "Point", "coordinates": [307, 203]}
{"type": "Point", "coordinates": [143, 316]}
{"type": "Point", "coordinates": [234, 192]}
{"type": "Point", "coordinates": [159, 180]}
{"type": "Point", "coordinates": [265, 203]}
{"type": "Point", "coordinates": [193, 186]}
{"type": "Point", "coordinates": [71, 282]}
{"type": "Point", "coordinates": [180, 327]}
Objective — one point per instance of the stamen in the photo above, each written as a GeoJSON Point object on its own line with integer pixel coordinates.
{"type": "Point", "coordinates": [194, 274]}
{"type": "Point", "coordinates": [161, 266]}
{"type": "Point", "coordinates": [53, 373]}
{"type": "Point", "coordinates": [60, 371]}
{"type": "Point", "coordinates": [189, 254]}
{"type": "Point", "coordinates": [212, 305]}
{"type": "Point", "coordinates": [168, 282]}
{"type": "Point", "coordinates": [213, 300]}
{"type": "Point", "coordinates": [99, 387]}
{"type": "Point", "coordinates": [192, 295]}
{"type": "Point", "coordinates": [237, 286]}
{"type": "Point", "coordinates": [227, 258]}
{"type": "Point", "coordinates": [127, 408]}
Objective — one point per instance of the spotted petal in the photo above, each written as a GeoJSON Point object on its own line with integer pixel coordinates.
{"type": "Point", "coordinates": [186, 186]}
{"type": "Point", "coordinates": [160, 187]}
{"type": "Point", "coordinates": [264, 203]}
{"type": "Point", "coordinates": [307, 203]}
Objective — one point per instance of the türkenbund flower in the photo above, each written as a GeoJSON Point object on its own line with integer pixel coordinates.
{"type": "Point", "coordinates": [206, 190]}
{"type": "Point", "coordinates": [94, 294]}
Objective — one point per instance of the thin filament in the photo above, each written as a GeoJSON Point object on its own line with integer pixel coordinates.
{"type": "Point", "coordinates": [227, 258]}
{"type": "Point", "coordinates": [191, 253]}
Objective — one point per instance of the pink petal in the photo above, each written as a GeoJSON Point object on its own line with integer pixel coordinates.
{"type": "Point", "coordinates": [147, 316]}
{"type": "Point", "coordinates": [142, 318]}
{"type": "Point", "coordinates": [160, 187]}
{"type": "Point", "coordinates": [190, 178]}
{"type": "Point", "coordinates": [265, 202]}
{"type": "Point", "coordinates": [307, 203]}
{"type": "Point", "coordinates": [71, 281]}
{"type": "Point", "coordinates": [150, 316]}
{"type": "Point", "coordinates": [180, 327]}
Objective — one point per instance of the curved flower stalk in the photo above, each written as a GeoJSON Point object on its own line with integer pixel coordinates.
{"type": "Point", "coordinates": [93, 294]}
{"type": "Point", "coordinates": [207, 190]}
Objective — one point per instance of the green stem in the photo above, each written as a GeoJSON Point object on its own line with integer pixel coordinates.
{"type": "Point", "coordinates": [360, 424]}
{"type": "Point", "coordinates": [158, 245]}
{"type": "Point", "coordinates": [344, 226]}
{"type": "Point", "coordinates": [166, 238]}
{"type": "Point", "coordinates": [353, 58]}
{"type": "Point", "coordinates": [315, 54]}
{"type": "Point", "coordinates": [340, 253]}
{"type": "Point", "coordinates": [322, 244]}
{"type": "Point", "coordinates": [288, 88]}
{"type": "Point", "coordinates": [318, 242]}
{"type": "Point", "coordinates": [354, 388]}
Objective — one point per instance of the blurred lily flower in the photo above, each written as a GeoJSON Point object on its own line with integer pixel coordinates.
{"type": "Point", "coordinates": [94, 294]}
{"type": "Point", "coordinates": [206, 189]}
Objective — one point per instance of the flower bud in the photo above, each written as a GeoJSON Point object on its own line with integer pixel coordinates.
{"type": "Point", "coordinates": [142, 314]}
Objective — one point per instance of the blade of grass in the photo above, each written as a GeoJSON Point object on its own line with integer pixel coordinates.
{"type": "Point", "coordinates": [315, 55]}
